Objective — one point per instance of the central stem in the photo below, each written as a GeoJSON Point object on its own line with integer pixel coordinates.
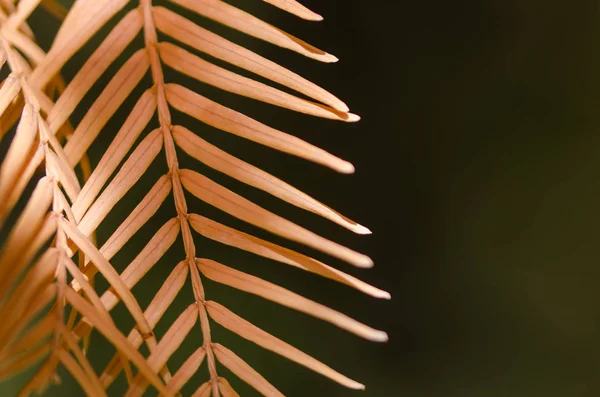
{"type": "Point", "coordinates": [164, 117]}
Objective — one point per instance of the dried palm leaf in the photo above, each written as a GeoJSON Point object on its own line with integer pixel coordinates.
{"type": "Point", "coordinates": [33, 271]}
{"type": "Point", "coordinates": [73, 197]}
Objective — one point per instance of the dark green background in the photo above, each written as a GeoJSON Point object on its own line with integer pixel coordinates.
{"type": "Point", "coordinates": [478, 164]}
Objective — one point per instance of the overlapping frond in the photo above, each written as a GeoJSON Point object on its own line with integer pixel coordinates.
{"type": "Point", "coordinates": [67, 209]}
{"type": "Point", "coordinates": [36, 256]}
{"type": "Point", "coordinates": [32, 273]}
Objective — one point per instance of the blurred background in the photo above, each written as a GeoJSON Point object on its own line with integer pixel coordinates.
{"type": "Point", "coordinates": [478, 170]}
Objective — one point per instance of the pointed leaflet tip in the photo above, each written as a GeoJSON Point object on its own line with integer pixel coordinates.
{"type": "Point", "coordinates": [296, 8]}
{"type": "Point", "coordinates": [356, 386]}
{"type": "Point", "coordinates": [364, 262]}
{"type": "Point", "coordinates": [341, 106]}
{"type": "Point", "coordinates": [352, 118]}
{"type": "Point", "coordinates": [360, 229]}
{"type": "Point", "coordinates": [346, 168]}
{"type": "Point", "coordinates": [380, 336]}
{"type": "Point", "coordinates": [330, 58]}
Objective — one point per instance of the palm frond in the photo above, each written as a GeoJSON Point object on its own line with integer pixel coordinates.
{"type": "Point", "coordinates": [68, 209]}
{"type": "Point", "coordinates": [34, 273]}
